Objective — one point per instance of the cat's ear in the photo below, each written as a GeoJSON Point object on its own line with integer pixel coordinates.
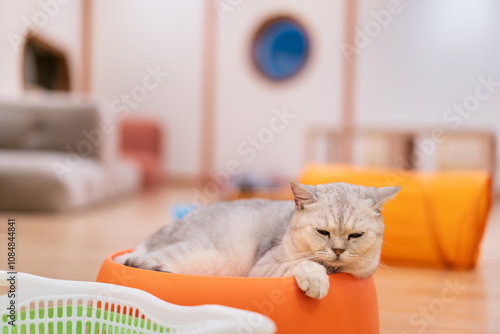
{"type": "Point", "coordinates": [384, 195]}
{"type": "Point", "coordinates": [301, 195]}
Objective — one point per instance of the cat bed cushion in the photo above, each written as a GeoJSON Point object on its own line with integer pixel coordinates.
{"type": "Point", "coordinates": [437, 220]}
{"type": "Point", "coordinates": [349, 299]}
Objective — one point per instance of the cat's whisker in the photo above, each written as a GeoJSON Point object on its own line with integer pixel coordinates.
{"type": "Point", "coordinates": [380, 269]}
{"type": "Point", "coordinates": [367, 260]}
{"type": "Point", "coordinates": [389, 244]}
{"type": "Point", "coordinates": [302, 257]}
{"type": "Point", "coordinates": [384, 266]}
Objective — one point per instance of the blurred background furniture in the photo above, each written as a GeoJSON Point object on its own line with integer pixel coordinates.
{"type": "Point", "coordinates": [416, 149]}
{"type": "Point", "coordinates": [387, 148]}
{"type": "Point", "coordinates": [323, 143]}
{"type": "Point", "coordinates": [467, 150]}
{"type": "Point", "coordinates": [59, 153]}
{"type": "Point", "coordinates": [141, 141]}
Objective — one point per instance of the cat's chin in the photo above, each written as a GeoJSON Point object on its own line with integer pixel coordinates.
{"type": "Point", "coordinates": [333, 269]}
{"type": "Point", "coordinates": [337, 267]}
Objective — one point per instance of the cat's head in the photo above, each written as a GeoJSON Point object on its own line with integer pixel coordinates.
{"type": "Point", "coordinates": [339, 225]}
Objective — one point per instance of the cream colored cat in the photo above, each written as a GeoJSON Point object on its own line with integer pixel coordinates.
{"type": "Point", "coordinates": [334, 227]}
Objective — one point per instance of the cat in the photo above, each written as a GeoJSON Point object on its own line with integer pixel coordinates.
{"type": "Point", "coordinates": [328, 228]}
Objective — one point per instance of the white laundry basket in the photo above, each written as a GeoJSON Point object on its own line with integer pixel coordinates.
{"type": "Point", "coordinates": [51, 306]}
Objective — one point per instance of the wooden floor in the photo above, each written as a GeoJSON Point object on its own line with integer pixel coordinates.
{"type": "Point", "coordinates": [72, 246]}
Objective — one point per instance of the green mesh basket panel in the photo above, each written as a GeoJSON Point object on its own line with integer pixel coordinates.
{"type": "Point", "coordinates": [81, 320]}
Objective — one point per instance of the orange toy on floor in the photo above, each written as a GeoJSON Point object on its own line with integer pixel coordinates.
{"type": "Point", "coordinates": [437, 219]}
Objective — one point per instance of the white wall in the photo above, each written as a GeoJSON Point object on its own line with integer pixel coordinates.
{"type": "Point", "coordinates": [57, 21]}
{"type": "Point", "coordinates": [426, 59]}
{"type": "Point", "coordinates": [245, 100]}
{"type": "Point", "coordinates": [130, 36]}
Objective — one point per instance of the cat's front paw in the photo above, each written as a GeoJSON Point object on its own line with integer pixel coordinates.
{"type": "Point", "coordinates": [312, 279]}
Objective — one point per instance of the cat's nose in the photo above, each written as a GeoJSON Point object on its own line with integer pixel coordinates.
{"type": "Point", "coordinates": [338, 251]}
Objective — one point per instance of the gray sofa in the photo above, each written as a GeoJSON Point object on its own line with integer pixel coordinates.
{"type": "Point", "coordinates": [59, 153]}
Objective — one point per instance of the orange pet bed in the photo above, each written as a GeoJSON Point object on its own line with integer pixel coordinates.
{"type": "Point", "coordinates": [349, 307]}
{"type": "Point", "coordinates": [437, 220]}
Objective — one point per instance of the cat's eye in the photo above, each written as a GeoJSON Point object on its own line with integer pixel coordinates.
{"type": "Point", "coordinates": [323, 232]}
{"type": "Point", "coordinates": [355, 235]}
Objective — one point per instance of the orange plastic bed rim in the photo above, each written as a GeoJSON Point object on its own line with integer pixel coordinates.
{"type": "Point", "coordinates": [349, 299]}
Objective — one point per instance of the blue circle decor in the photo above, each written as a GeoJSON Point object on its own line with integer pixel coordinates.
{"type": "Point", "coordinates": [280, 49]}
